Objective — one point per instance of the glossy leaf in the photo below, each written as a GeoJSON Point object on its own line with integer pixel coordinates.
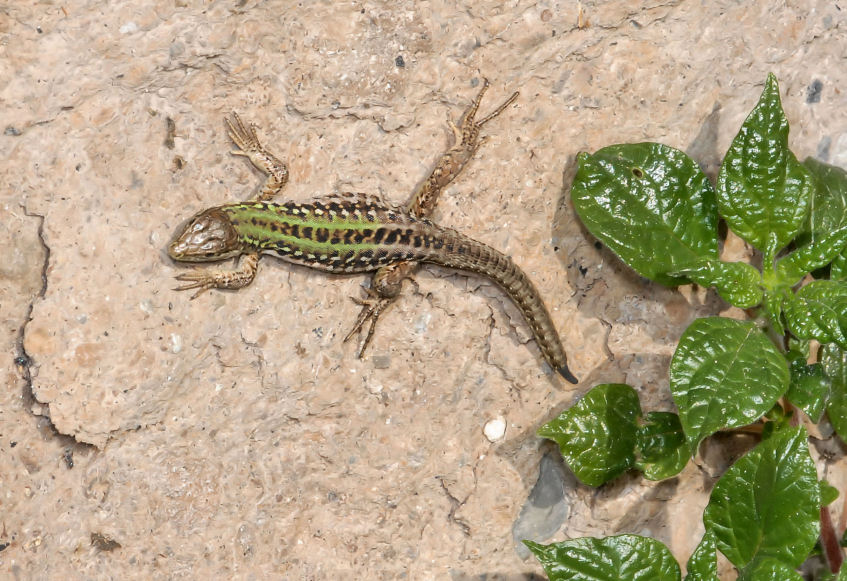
{"type": "Point", "coordinates": [815, 254]}
{"type": "Point", "coordinates": [767, 504]}
{"type": "Point", "coordinates": [724, 374]}
{"type": "Point", "coordinates": [769, 570]}
{"type": "Point", "coordinates": [737, 283]}
{"type": "Point", "coordinates": [618, 558]}
{"type": "Point", "coordinates": [834, 362]}
{"type": "Point", "coordinates": [660, 445]}
{"type": "Point", "coordinates": [838, 271]}
{"type": "Point", "coordinates": [828, 208]}
{"type": "Point", "coordinates": [597, 436]}
{"type": "Point", "coordinates": [828, 211]}
{"type": "Point", "coordinates": [763, 192]}
{"type": "Point", "coordinates": [703, 564]}
{"type": "Point", "coordinates": [798, 349]}
{"type": "Point", "coordinates": [773, 303]}
{"type": "Point", "coordinates": [819, 311]}
{"type": "Point", "coordinates": [651, 204]}
{"type": "Point", "coordinates": [809, 388]}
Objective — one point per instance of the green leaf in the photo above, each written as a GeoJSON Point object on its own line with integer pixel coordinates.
{"type": "Point", "coordinates": [597, 436]}
{"type": "Point", "coordinates": [767, 504]}
{"type": "Point", "coordinates": [772, 305]}
{"type": "Point", "coordinates": [737, 283]}
{"type": "Point", "coordinates": [828, 208]}
{"type": "Point", "coordinates": [816, 254]}
{"type": "Point", "coordinates": [834, 362]}
{"type": "Point", "coordinates": [724, 374]}
{"type": "Point", "coordinates": [651, 204]}
{"type": "Point", "coordinates": [828, 493]}
{"type": "Point", "coordinates": [798, 349]}
{"type": "Point", "coordinates": [819, 311]}
{"type": "Point", "coordinates": [828, 211]}
{"type": "Point", "coordinates": [600, 437]}
{"type": "Point", "coordinates": [703, 564]}
{"type": "Point", "coordinates": [839, 268]}
{"type": "Point", "coordinates": [763, 192]}
{"type": "Point", "coordinates": [809, 388]}
{"type": "Point", "coordinates": [660, 444]}
{"type": "Point", "coordinates": [769, 570]}
{"type": "Point", "coordinates": [619, 558]}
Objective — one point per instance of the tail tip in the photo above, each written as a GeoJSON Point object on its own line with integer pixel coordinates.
{"type": "Point", "coordinates": [566, 373]}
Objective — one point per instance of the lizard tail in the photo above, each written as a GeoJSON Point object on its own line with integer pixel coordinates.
{"type": "Point", "coordinates": [463, 253]}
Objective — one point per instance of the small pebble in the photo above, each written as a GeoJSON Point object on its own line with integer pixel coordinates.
{"type": "Point", "coordinates": [495, 429]}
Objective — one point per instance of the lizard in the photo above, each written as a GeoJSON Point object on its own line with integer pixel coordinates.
{"type": "Point", "coordinates": [356, 233]}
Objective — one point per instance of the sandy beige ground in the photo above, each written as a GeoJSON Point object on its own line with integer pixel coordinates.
{"type": "Point", "coordinates": [237, 436]}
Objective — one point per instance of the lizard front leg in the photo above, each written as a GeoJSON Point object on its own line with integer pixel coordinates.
{"type": "Point", "coordinates": [387, 282]}
{"type": "Point", "coordinates": [203, 280]}
{"type": "Point", "coordinates": [244, 136]}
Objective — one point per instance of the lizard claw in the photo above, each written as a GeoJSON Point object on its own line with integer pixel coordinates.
{"type": "Point", "coordinates": [368, 308]}
{"type": "Point", "coordinates": [200, 290]}
{"type": "Point", "coordinates": [244, 136]}
{"type": "Point", "coordinates": [372, 307]}
{"type": "Point", "coordinates": [199, 280]}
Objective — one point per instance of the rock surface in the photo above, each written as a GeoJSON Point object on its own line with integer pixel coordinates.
{"type": "Point", "coordinates": [145, 435]}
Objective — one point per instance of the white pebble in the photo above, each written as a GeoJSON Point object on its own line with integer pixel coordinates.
{"type": "Point", "coordinates": [495, 429]}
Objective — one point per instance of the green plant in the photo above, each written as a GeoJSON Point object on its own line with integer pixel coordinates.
{"type": "Point", "coordinates": [653, 206]}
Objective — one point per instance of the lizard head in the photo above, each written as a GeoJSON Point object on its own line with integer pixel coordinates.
{"type": "Point", "coordinates": [207, 237]}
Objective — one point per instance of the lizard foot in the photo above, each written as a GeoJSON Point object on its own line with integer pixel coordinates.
{"type": "Point", "coordinates": [372, 307]}
{"type": "Point", "coordinates": [198, 279]}
{"type": "Point", "coordinates": [244, 136]}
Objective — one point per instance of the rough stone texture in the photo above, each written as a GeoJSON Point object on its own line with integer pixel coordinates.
{"type": "Point", "coordinates": [236, 436]}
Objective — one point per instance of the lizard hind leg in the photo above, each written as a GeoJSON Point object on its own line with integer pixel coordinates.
{"type": "Point", "coordinates": [245, 138]}
{"type": "Point", "coordinates": [466, 142]}
{"type": "Point", "coordinates": [387, 281]}
{"type": "Point", "coordinates": [467, 132]}
{"type": "Point", "coordinates": [385, 288]}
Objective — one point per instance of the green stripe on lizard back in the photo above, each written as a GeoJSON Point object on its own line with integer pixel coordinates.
{"type": "Point", "coordinates": [335, 234]}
